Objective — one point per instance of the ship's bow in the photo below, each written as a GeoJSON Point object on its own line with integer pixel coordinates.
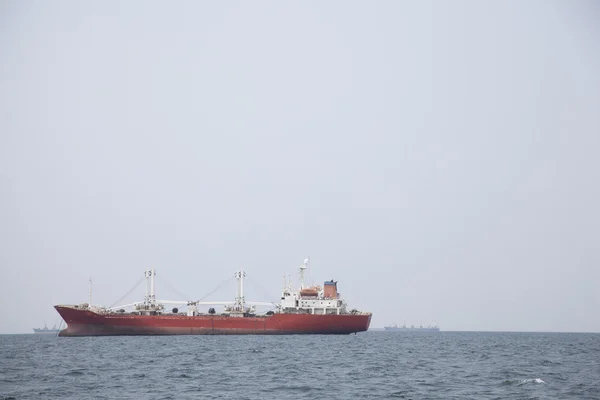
{"type": "Point", "coordinates": [80, 321]}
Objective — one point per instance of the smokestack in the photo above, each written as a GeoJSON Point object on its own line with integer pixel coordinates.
{"type": "Point", "coordinates": [330, 289]}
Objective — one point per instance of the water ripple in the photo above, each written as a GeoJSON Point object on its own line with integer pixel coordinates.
{"type": "Point", "coordinates": [372, 365]}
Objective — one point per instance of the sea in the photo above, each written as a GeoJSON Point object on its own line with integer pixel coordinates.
{"type": "Point", "coordinates": [369, 365]}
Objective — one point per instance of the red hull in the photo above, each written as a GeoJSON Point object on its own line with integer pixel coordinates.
{"type": "Point", "coordinates": [87, 323]}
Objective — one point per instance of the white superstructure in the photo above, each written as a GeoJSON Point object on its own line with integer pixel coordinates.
{"type": "Point", "coordinates": [311, 300]}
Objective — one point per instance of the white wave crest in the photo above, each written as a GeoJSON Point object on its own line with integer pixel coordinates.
{"type": "Point", "coordinates": [526, 381]}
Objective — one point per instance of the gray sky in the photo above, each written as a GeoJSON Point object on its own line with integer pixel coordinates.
{"type": "Point", "coordinates": [438, 159]}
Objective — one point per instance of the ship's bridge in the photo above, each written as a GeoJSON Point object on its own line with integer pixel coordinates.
{"type": "Point", "coordinates": [313, 300]}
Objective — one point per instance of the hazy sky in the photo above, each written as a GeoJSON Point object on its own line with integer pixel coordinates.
{"type": "Point", "coordinates": [439, 159]}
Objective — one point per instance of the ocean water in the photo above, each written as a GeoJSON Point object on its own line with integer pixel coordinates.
{"type": "Point", "coordinates": [370, 365]}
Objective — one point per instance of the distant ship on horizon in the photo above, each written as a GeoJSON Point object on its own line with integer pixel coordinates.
{"type": "Point", "coordinates": [45, 330]}
{"type": "Point", "coordinates": [412, 328]}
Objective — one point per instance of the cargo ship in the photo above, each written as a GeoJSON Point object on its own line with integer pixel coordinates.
{"type": "Point", "coordinates": [45, 330]}
{"type": "Point", "coordinates": [305, 310]}
{"type": "Point", "coordinates": [412, 328]}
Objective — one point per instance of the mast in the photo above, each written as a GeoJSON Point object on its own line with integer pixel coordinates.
{"type": "Point", "coordinates": [152, 294]}
{"type": "Point", "coordinates": [302, 268]}
{"type": "Point", "coordinates": [242, 275]}
{"type": "Point", "coordinates": [147, 295]}
{"type": "Point", "coordinates": [90, 295]}
{"type": "Point", "coordinates": [240, 300]}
